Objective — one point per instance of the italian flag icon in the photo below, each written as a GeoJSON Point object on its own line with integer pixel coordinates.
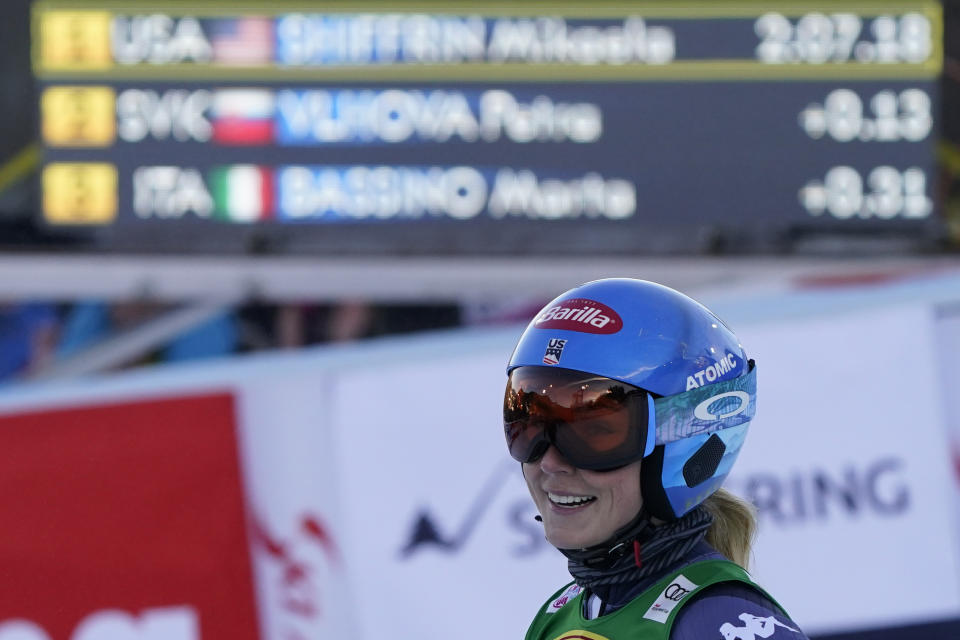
{"type": "Point", "coordinates": [242, 192]}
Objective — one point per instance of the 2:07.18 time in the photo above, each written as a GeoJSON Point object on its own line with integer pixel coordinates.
{"type": "Point", "coordinates": [817, 38]}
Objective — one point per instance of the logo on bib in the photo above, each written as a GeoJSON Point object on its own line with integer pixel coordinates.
{"type": "Point", "coordinates": [580, 314]}
{"type": "Point", "coordinates": [566, 597]}
{"type": "Point", "coordinates": [669, 598]}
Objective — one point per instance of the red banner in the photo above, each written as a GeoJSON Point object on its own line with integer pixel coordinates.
{"type": "Point", "coordinates": [125, 521]}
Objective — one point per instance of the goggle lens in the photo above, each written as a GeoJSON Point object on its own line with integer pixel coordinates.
{"type": "Point", "coordinates": [594, 422]}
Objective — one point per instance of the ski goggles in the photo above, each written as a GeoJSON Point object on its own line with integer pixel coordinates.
{"type": "Point", "coordinates": [601, 424]}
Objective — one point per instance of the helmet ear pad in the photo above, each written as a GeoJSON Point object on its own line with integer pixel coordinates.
{"type": "Point", "coordinates": [698, 468]}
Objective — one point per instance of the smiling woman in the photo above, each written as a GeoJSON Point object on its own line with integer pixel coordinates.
{"type": "Point", "coordinates": [626, 429]}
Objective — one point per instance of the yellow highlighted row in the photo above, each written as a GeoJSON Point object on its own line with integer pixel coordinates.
{"type": "Point", "coordinates": [79, 42]}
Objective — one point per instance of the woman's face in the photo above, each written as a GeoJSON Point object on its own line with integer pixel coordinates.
{"type": "Point", "coordinates": [582, 508]}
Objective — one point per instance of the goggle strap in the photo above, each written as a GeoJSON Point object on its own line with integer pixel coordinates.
{"type": "Point", "coordinates": [700, 412]}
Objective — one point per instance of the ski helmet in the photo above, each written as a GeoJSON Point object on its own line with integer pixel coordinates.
{"type": "Point", "coordinates": [698, 386]}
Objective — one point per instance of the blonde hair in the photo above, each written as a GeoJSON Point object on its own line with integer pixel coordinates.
{"type": "Point", "coordinates": [734, 526]}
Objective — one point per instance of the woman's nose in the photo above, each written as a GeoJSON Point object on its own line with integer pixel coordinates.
{"type": "Point", "coordinates": [554, 462]}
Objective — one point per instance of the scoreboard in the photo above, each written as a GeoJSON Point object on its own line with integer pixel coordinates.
{"type": "Point", "coordinates": [495, 127]}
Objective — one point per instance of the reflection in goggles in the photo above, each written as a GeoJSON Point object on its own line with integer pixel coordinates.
{"type": "Point", "coordinates": [594, 422]}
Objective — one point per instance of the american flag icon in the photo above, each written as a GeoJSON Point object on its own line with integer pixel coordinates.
{"type": "Point", "coordinates": [244, 41]}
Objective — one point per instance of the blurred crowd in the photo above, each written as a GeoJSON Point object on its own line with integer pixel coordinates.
{"type": "Point", "coordinates": [35, 336]}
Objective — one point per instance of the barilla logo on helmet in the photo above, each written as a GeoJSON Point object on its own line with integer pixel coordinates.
{"type": "Point", "coordinates": [580, 314]}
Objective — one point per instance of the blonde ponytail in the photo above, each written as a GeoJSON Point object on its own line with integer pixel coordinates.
{"type": "Point", "coordinates": [734, 526]}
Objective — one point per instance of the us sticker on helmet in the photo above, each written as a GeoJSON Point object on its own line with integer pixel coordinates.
{"type": "Point", "coordinates": [554, 351]}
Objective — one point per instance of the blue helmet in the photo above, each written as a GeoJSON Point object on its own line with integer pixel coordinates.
{"type": "Point", "coordinates": [701, 388]}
